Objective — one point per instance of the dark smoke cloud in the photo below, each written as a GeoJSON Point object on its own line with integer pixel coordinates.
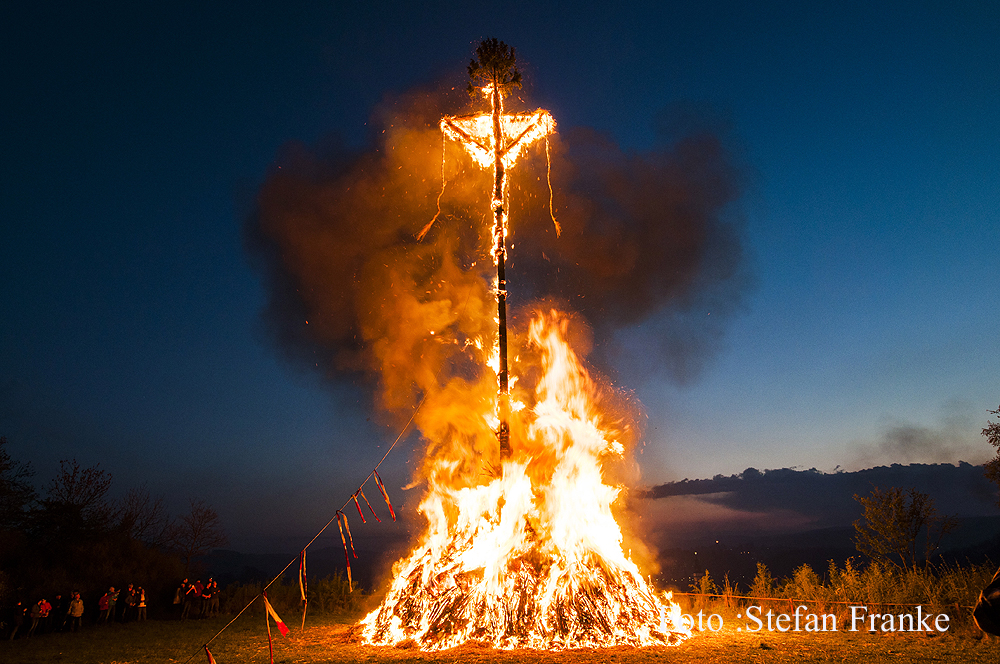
{"type": "Point", "coordinates": [648, 238]}
{"type": "Point", "coordinates": [955, 436]}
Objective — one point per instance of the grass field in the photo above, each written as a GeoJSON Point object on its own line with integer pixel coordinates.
{"type": "Point", "coordinates": [329, 639]}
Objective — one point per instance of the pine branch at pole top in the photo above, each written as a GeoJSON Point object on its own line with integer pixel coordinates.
{"type": "Point", "coordinates": [336, 517]}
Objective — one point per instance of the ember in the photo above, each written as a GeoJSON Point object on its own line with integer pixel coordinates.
{"type": "Point", "coordinates": [529, 555]}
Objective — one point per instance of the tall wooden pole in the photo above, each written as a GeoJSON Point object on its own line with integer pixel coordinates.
{"type": "Point", "coordinates": [500, 255]}
{"type": "Point", "coordinates": [493, 73]}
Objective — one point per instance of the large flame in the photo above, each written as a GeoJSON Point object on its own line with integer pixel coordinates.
{"type": "Point", "coordinates": [528, 555]}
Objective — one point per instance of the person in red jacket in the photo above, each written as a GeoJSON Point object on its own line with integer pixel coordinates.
{"type": "Point", "coordinates": [104, 606]}
{"type": "Point", "coordinates": [46, 609]}
{"type": "Point", "coordinates": [199, 598]}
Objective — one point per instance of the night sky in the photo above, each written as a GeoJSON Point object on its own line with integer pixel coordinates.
{"type": "Point", "coordinates": [135, 137]}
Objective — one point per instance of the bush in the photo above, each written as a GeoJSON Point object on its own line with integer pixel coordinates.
{"type": "Point", "coordinates": [329, 594]}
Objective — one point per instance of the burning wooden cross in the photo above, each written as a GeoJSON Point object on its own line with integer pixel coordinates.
{"type": "Point", "coordinates": [497, 139]}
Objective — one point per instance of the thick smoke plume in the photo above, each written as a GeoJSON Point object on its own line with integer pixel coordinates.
{"type": "Point", "coordinates": [647, 239]}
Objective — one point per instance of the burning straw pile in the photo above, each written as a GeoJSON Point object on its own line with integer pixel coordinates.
{"type": "Point", "coordinates": [532, 558]}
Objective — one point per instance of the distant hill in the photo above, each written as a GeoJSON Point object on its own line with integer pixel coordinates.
{"type": "Point", "coordinates": [788, 517]}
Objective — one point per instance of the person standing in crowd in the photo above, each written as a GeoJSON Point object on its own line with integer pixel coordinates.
{"type": "Point", "coordinates": [36, 616]}
{"type": "Point", "coordinates": [104, 606]}
{"type": "Point", "coordinates": [206, 598]}
{"type": "Point", "coordinates": [45, 609]}
{"type": "Point", "coordinates": [179, 595]}
{"type": "Point", "coordinates": [17, 618]}
{"type": "Point", "coordinates": [189, 598]}
{"type": "Point", "coordinates": [133, 601]}
{"type": "Point", "coordinates": [60, 609]}
{"type": "Point", "coordinates": [128, 603]}
{"type": "Point", "coordinates": [141, 605]}
{"type": "Point", "coordinates": [212, 598]}
{"type": "Point", "coordinates": [199, 601]}
{"type": "Point", "coordinates": [112, 601]}
{"type": "Point", "coordinates": [75, 612]}
{"type": "Point", "coordinates": [50, 616]}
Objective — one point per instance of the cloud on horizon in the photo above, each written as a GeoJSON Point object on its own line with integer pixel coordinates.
{"type": "Point", "coordinates": [790, 500]}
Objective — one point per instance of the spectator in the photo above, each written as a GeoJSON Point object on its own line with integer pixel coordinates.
{"type": "Point", "coordinates": [199, 601]}
{"type": "Point", "coordinates": [56, 619]}
{"type": "Point", "coordinates": [128, 602]}
{"type": "Point", "coordinates": [36, 616]}
{"type": "Point", "coordinates": [104, 606]}
{"type": "Point", "coordinates": [212, 598]}
{"type": "Point", "coordinates": [189, 597]}
{"type": "Point", "coordinates": [17, 618]}
{"type": "Point", "coordinates": [206, 598]}
{"type": "Point", "coordinates": [141, 606]}
{"type": "Point", "coordinates": [45, 609]}
{"type": "Point", "coordinates": [179, 595]}
{"type": "Point", "coordinates": [59, 613]}
{"type": "Point", "coordinates": [112, 601]}
{"type": "Point", "coordinates": [133, 602]}
{"type": "Point", "coordinates": [75, 612]}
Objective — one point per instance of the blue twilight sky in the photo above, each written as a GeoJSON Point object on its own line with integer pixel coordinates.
{"type": "Point", "coordinates": [132, 135]}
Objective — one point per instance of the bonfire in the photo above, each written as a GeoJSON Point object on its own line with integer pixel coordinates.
{"type": "Point", "coordinates": [521, 550]}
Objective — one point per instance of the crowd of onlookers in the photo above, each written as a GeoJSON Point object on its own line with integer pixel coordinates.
{"type": "Point", "coordinates": [198, 600]}
{"type": "Point", "coordinates": [65, 613]}
{"type": "Point", "coordinates": [44, 616]}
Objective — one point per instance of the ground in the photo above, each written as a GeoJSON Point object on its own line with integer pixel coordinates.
{"type": "Point", "coordinates": [329, 640]}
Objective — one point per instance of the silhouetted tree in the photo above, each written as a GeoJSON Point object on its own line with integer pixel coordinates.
{"type": "Point", "coordinates": [76, 502]}
{"type": "Point", "coordinates": [197, 532]}
{"type": "Point", "coordinates": [992, 434]}
{"type": "Point", "coordinates": [17, 496]}
{"type": "Point", "coordinates": [893, 522]}
{"type": "Point", "coordinates": [143, 518]}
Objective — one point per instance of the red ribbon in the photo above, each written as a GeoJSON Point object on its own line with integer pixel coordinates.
{"type": "Point", "coordinates": [362, 493]}
{"type": "Point", "coordinates": [358, 505]}
{"type": "Point", "coordinates": [381, 487]}
{"type": "Point", "coordinates": [347, 557]}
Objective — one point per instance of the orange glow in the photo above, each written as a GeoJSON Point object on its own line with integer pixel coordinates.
{"type": "Point", "coordinates": [530, 557]}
